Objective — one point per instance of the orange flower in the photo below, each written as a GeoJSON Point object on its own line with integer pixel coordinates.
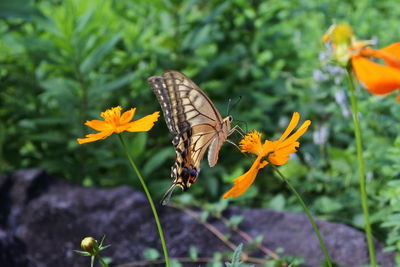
{"type": "Point", "coordinates": [275, 152]}
{"type": "Point", "coordinates": [114, 122]}
{"type": "Point", "coordinates": [377, 78]}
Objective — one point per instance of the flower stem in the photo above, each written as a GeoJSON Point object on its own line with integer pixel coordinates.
{"type": "Point", "coordinates": [146, 190]}
{"type": "Point", "coordinates": [361, 170]}
{"type": "Point", "coordinates": [314, 225]}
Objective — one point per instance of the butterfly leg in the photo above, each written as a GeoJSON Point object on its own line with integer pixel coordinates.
{"type": "Point", "coordinates": [237, 129]}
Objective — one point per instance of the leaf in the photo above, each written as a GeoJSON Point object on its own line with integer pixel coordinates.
{"type": "Point", "coordinates": [236, 257]}
{"type": "Point", "coordinates": [83, 21]}
{"type": "Point", "coordinates": [235, 220]}
{"type": "Point", "coordinates": [97, 91]}
{"type": "Point", "coordinates": [137, 144]}
{"type": "Point", "coordinates": [151, 254]}
{"type": "Point", "coordinates": [278, 202]}
{"type": "Point", "coordinates": [193, 253]}
{"type": "Point", "coordinates": [96, 56]}
{"type": "Point", "coordinates": [18, 9]}
{"type": "Point", "coordinates": [157, 160]}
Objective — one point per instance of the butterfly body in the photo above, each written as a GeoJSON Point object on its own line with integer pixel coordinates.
{"type": "Point", "coordinates": [194, 120]}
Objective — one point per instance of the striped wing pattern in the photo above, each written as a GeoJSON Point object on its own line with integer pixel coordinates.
{"type": "Point", "coordinates": [194, 120]}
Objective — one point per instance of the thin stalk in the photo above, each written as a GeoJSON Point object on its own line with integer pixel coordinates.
{"type": "Point", "coordinates": [314, 225]}
{"type": "Point", "coordinates": [148, 195]}
{"type": "Point", "coordinates": [361, 169]}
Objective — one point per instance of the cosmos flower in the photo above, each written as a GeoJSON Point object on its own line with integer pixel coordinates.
{"type": "Point", "coordinates": [274, 152]}
{"type": "Point", "coordinates": [114, 122]}
{"type": "Point", "coordinates": [348, 52]}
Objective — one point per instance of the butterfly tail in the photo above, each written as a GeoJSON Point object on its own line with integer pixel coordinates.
{"type": "Point", "coordinates": [167, 196]}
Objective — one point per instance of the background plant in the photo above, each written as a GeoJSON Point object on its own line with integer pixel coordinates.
{"type": "Point", "coordinates": [61, 62]}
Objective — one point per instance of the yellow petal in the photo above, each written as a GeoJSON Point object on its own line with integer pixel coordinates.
{"type": "Point", "coordinates": [94, 137]}
{"type": "Point", "coordinates": [293, 123]}
{"type": "Point", "coordinates": [98, 125]}
{"type": "Point", "coordinates": [302, 129]}
{"type": "Point", "coordinates": [144, 124]}
{"type": "Point", "coordinates": [243, 182]}
{"type": "Point", "coordinates": [282, 155]}
{"type": "Point", "coordinates": [127, 116]}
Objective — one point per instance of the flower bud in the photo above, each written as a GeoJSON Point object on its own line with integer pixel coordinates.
{"type": "Point", "coordinates": [89, 244]}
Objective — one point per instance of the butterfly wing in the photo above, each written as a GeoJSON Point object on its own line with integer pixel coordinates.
{"type": "Point", "coordinates": [195, 121]}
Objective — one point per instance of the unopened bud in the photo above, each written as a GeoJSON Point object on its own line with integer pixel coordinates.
{"type": "Point", "coordinates": [89, 244]}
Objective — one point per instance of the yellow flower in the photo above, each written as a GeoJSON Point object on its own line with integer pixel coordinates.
{"type": "Point", "coordinates": [114, 122]}
{"type": "Point", "coordinates": [274, 152]}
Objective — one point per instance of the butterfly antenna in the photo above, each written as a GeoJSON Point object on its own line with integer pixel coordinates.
{"type": "Point", "coordinates": [237, 101]}
{"type": "Point", "coordinates": [167, 196]}
{"type": "Point", "coordinates": [229, 105]}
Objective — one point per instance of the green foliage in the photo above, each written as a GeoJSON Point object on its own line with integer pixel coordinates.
{"type": "Point", "coordinates": [63, 62]}
{"type": "Point", "coordinates": [235, 262]}
{"type": "Point", "coordinates": [151, 254]}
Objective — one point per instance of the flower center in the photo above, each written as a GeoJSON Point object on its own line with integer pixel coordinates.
{"type": "Point", "coordinates": [252, 143]}
{"type": "Point", "coordinates": [112, 115]}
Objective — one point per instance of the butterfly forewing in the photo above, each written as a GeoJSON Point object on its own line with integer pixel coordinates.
{"type": "Point", "coordinates": [189, 104]}
{"type": "Point", "coordinates": [163, 97]}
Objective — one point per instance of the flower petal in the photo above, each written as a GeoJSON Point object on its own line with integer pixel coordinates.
{"type": "Point", "coordinates": [127, 116]}
{"type": "Point", "coordinates": [282, 155]}
{"type": "Point", "coordinates": [98, 125]}
{"type": "Point", "coordinates": [378, 79]}
{"type": "Point", "coordinates": [391, 54]}
{"type": "Point", "coordinates": [94, 137]}
{"type": "Point", "coordinates": [243, 182]}
{"type": "Point", "coordinates": [144, 124]}
{"type": "Point", "coordinates": [293, 123]}
{"type": "Point", "coordinates": [302, 129]}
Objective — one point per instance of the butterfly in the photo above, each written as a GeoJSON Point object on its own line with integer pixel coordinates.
{"type": "Point", "coordinates": [196, 123]}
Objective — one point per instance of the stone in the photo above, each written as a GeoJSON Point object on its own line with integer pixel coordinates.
{"type": "Point", "coordinates": [46, 218]}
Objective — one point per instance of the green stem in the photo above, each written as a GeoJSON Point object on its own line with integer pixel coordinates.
{"type": "Point", "coordinates": [146, 190]}
{"type": "Point", "coordinates": [361, 170]}
{"type": "Point", "coordinates": [314, 225]}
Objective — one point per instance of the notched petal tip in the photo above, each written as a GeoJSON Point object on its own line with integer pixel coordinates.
{"type": "Point", "coordinates": [144, 124]}
{"type": "Point", "coordinates": [128, 115]}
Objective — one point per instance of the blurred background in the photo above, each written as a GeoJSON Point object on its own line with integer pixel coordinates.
{"type": "Point", "coordinates": [64, 62]}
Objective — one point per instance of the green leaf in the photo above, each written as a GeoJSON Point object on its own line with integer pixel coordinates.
{"type": "Point", "coordinates": [157, 160]}
{"type": "Point", "coordinates": [151, 254]}
{"type": "Point", "coordinates": [236, 257]}
{"type": "Point", "coordinates": [24, 9]}
{"type": "Point", "coordinates": [82, 253]}
{"type": "Point", "coordinates": [96, 91]}
{"type": "Point", "coordinates": [277, 202]}
{"type": "Point", "coordinates": [193, 253]}
{"type": "Point", "coordinates": [97, 55]}
{"type": "Point", "coordinates": [235, 220]}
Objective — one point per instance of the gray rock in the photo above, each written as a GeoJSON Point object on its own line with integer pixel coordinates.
{"type": "Point", "coordinates": [47, 218]}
